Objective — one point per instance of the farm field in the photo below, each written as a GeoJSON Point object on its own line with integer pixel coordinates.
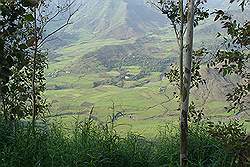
{"type": "Point", "coordinates": [144, 108]}
{"type": "Point", "coordinates": [113, 61]}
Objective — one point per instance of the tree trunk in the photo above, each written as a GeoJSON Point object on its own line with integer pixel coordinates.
{"type": "Point", "coordinates": [181, 36]}
{"type": "Point", "coordinates": [186, 88]}
{"type": "Point", "coordinates": [34, 109]}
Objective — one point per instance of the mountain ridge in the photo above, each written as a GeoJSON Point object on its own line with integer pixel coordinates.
{"type": "Point", "coordinates": [119, 19]}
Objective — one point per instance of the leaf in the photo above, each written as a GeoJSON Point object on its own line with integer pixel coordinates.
{"type": "Point", "coordinates": [23, 46]}
{"type": "Point", "coordinates": [29, 17]}
{"type": "Point", "coordinates": [9, 60]}
{"type": "Point", "coordinates": [224, 72]}
{"type": "Point", "coordinates": [217, 17]}
{"type": "Point", "coordinates": [218, 35]}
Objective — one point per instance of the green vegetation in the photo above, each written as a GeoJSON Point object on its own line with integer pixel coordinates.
{"type": "Point", "coordinates": [113, 91]}
{"type": "Point", "coordinates": [90, 144]}
{"type": "Point", "coordinates": [72, 54]}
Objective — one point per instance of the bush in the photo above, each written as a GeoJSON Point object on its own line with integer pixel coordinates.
{"type": "Point", "coordinates": [234, 138]}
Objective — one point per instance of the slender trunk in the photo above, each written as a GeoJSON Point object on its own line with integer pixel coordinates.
{"type": "Point", "coordinates": [34, 109]}
{"type": "Point", "coordinates": [181, 36]}
{"type": "Point", "coordinates": [186, 88]}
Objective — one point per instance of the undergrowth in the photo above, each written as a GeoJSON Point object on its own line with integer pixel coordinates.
{"type": "Point", "coordinates": [96, 145]}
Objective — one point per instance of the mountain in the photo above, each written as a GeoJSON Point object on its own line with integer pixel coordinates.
{"type": "Point", "coordinates": [118, 51]}
{"type": "Point", "coordinates": [119, 19]}
{"type": "Point", "coordinates": [100, 20]}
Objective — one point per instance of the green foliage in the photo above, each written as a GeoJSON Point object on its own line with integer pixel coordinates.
{"type": "Point", "coordinates": [242, 3]}
{"type": "Point", "coordinates": [14, 60]}
{"type": "Point", "coordinates": [233, 136]}
{"type": "Point", "coordinates": [171, 9]}
{"type": "Point", "coordinates": [233, 59]}
{"type": "Point", "coordinates": [196, 78]}
{"type": "Point", "coordinates": [23, 60]}
{"type": "Point", "coordinates": [10, 40]}
{"type": "Point", "coordinates": [198, 58]}
{"type": "Point", "coordinates": [195, 115]}
{"type": "Point", "coordinates": [91, 144]}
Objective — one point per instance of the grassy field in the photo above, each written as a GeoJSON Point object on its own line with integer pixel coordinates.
{"type": "Point", "coordinates": [135, 103]}
{"type": "Point", "coordinates": [145, 107]}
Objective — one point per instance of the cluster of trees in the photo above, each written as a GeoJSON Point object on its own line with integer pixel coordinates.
{"type": "Point", "coordinates": [23, 25]}
{"type": "Point", "coordinates": [125, 76]}
{"type": "Point", "coordinates": [111, 57]}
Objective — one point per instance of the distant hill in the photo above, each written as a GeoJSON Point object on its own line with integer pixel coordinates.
{"type": "Point", "coordinates": [124, 19]}
{"type": "Point", "coordinates": [120, 19]}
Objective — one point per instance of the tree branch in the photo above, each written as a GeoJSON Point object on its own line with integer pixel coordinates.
{"type": "Point", "coordinates": [44, 40]}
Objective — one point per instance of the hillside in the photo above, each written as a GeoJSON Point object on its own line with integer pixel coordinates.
{"type": "Point", "coordinates": [116, 52]}
{"type": "Point", "coordinates": [117, 19]}
{"type": "Point", "coordinates": [120, 19]}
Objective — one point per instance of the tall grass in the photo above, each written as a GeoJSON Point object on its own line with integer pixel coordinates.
{"type": "Point", "coordinates": [95, 145]}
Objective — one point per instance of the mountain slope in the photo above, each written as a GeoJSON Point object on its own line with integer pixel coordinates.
{"type": "Point", "coordinates": [116, 18]}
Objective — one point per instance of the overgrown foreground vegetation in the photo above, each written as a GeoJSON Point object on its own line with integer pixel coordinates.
{"type": "Point", "coordinates": [93, 144]}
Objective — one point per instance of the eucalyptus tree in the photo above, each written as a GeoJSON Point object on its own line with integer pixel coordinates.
{"type": "Point", "coordinates": [186, 84]}
{"type": "Point", "coordinates": [183, 17]}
